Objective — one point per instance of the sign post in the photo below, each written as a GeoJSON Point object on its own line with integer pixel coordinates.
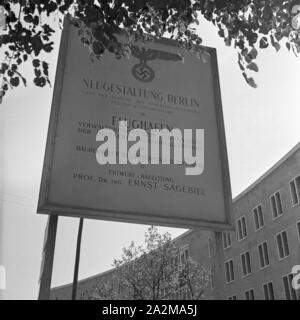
{"type": "Point", "coordinates": [77, 259]}
{"type": "Point", "coordinates": [219, 267]}
{"type": "Point", "coordinates": [48, 258]}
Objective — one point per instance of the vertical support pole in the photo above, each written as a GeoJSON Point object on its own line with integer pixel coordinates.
{"type": "Point", "coordinates": [298, 291]}
{"type": "Point", "coordinates": [48, 257]}
{"type": "Point", "coordinates": [77, 258]}
{"type": "Point", "coordinates": [219, 267]}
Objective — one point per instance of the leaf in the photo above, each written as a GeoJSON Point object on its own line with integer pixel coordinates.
{"type": "Point", "coordinates": [221, 33]}
{"type": "Point", "coordinates": [252, 83]}
{"type": "Point", "coordinates": [252, 66]}
{"type": "Point", "coordinates": [28, 18]}
{"type": "Point", "coordinates": [36, 63]}
{"type": "Point", "coordinates": [263, 43]}
{"type": "Point", "coordinates": [47, 29]}
{"type": "Point", "coordinates": [39, 81]}
{"type": "Point", "coordinates": [22, 78]}
{"type": "Point", "coordinates": [46, 68]}
{"type": "Point", "coordinates": [37, 72]}
{"type": "Point", "coordinates": [48, 47]}
{"type": "Point", "coordinates": [247, 58]}
{"type": "Point", "coordinates": [15, 81]}
{"type": "Point", "coordinates": [275, 44]}
{"type": "Point", "coordinates": [278, 36]}
{"type": "Point", "coordinates": [37, 44]}
{"type": "Point", "coordinates": [98, 48]}
{"type": "Point", "coordinates": [245, 76]}
{"type": "Point", "coordinates": [36, 20]}
{"type": "Point", "coordinates": [253, 53]}
{"type": "Point", "coordinates": [4, 66]}
{"type": "Point", "coordinates": [241, 66]}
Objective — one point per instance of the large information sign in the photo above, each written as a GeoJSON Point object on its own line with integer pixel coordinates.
{"type": "Point", "coordinates": [154, 89]}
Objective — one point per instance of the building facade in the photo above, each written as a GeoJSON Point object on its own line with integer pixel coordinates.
{"type": "Point", "coordinates": [256, 260]}
{"type": "Point", "coordinates": [260, 254]}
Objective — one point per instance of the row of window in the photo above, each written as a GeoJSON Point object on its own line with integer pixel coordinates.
{"type": "Point", "coordinates": [263, 254]}
{"type": "Point", "coordinates": [258, 216]}
{"type": "Point", "coordinates": [242, 229]}
{"type": "Point", "coordinates": [268, 290]}
{"type": "Point", "coordinates": [282, 242]}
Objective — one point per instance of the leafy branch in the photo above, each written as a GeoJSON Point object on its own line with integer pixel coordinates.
{"type": "Point", "coordinates": [248, 25]}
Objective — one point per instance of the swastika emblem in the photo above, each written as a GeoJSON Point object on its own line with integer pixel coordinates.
{"type": "Point", "coordinates": [143, 72]}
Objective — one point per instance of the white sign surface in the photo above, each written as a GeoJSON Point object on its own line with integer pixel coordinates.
{"type": "Point", "coordinates": [152, 89]}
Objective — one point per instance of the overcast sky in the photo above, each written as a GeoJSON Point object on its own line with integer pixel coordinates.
{"type": "Point", "coordinates": [261, 126]}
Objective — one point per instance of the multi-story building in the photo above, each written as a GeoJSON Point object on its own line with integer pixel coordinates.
{"type": "Point", "coordinates": [260, 255]}
{"type": "Point", "coordinates": [257, 258]}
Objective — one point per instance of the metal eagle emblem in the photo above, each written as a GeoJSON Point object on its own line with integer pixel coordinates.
{"type": "Point", "coordinates": [141, 71]}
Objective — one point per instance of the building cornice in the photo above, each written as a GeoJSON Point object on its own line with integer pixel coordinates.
{"type": "Point", "coordinates": [268, 172]}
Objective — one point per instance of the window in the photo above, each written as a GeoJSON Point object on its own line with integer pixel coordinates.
{"type": "Point", "coordinates": [298, 229]}
{"type": "Point", "coordinates": [226, 240]}
{"type": "Point", "coordinates": [184, 255]}
{"type": "Point", "coordinates": [295, 190]}
{"type": "Point", "coordinates": [268, 291]}
{"type": "Point", "coordinates": [283, 245]}
{"type": "Point", "coordinates": [210, 247]}
{"type": "Point", "coordinates": [229, 271]}
{"type": "Point", "coordinates": [276, 205]}
{"type": "Point", "coordinates": [290, 293]}
{"type": "Point", "coordinates": [249, 294]}
{"type": "Point", "coordinates": [242, 228]}
{"type": "Point", "coordinates": [263, 253]}
{"type": "Point", "coordinates": [258, 217]}
{"type": "Point", "coordinates": [246, 263]}
{"type": "Point", "coordinates": [232, 298]}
